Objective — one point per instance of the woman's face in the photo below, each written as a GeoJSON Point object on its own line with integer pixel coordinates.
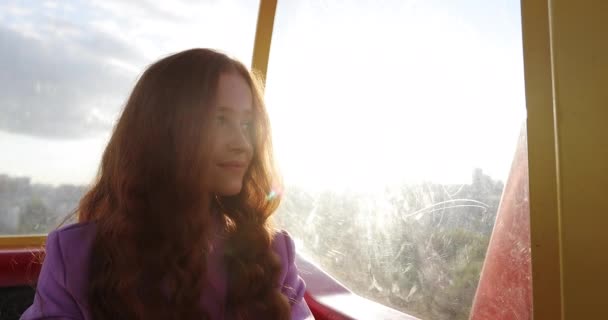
{"type": "Point", "coordinates": [231, 135]}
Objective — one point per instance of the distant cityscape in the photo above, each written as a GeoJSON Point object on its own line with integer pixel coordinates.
{"type": "Point", "coordinates": [27, 208]}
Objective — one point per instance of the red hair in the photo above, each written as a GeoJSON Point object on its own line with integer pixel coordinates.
{"type": "Point", "coordinates": [152, 214]}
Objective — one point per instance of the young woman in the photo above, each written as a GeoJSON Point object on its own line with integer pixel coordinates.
{"type": "Point", "coordinates": [176, 225]}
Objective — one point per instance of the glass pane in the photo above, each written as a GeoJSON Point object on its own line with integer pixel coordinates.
{"type": "Point", "coordinates": [395, 124]}
{"type": "Point", "coordinates": [67, 68]}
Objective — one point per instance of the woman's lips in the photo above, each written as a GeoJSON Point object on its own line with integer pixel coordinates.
{"type": "Point", "coordinates": [232, 165]}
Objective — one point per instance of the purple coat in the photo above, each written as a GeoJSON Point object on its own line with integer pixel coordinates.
{"type": "Point", "coordinates": [62, 284]}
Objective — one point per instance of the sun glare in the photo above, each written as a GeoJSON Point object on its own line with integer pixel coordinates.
{"type": "Point", "coordinates": [363, 101]}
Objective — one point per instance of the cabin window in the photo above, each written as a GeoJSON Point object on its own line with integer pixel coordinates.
{"type": "Point", "coordinates": [67, 68]}
{"type": "Point", "coordinates": [395, 124]}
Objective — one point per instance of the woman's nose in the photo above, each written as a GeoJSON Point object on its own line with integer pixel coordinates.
{"type": "Point", "coordinates": [240, 140]}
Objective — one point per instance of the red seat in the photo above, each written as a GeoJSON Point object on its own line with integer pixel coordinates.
{"type": "Point", "coordinates": [19, 267]}
{"type": "Point", "coordinates": [330, 300]}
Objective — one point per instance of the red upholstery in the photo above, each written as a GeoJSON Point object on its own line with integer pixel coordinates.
{"type": "Point", "coordinates": [19, 267]}
{"type": "Point", "coordinates": [321, 311]}
{"type": "Point", "coordinates": [330, 300]}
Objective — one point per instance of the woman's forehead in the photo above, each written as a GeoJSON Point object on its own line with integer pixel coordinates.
{"type": "Point", "coordinates": [233, 94]}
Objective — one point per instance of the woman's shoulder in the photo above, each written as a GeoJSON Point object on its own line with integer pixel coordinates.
{"type": "Point", "coordinates": [75, 229]}
{"type": "Point", "coordinates": [61, 290]}
{"type": "Point", "coordinates": [283, 245]}
{"type": "Point", "coordinates": [290, 282]}
{"type": "Point", "coordinates": [70, 246]}
{"type": "Point", "coordinates": [73, 236]}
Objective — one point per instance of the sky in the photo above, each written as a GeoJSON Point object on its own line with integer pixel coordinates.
{"type": "Point", "coordinates": [361, 94]}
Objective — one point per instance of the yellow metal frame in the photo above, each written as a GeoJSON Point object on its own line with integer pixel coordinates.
{"type": "Point", "coordinates": [261, 52]}
{"type": "Point", "coordinates": [566, 59]}
{"type": "Point", "coordinates": [18, 242]}
{"type": "Point", "coordinates": [263, 38]}
{"type": "Point", "coordinates": [542, 161]}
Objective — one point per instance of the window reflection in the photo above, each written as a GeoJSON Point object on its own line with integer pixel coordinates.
{"type": "Point", "coordinates": [395, 123]}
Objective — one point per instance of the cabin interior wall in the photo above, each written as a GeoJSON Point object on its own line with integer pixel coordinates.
{"type": "Point", "coordinates": [566, 79]}
{"type": "Point", "coordinates": [580, 60]}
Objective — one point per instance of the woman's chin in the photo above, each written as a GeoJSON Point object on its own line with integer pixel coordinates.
{"type": "Point", "coordinates": [228, 191]}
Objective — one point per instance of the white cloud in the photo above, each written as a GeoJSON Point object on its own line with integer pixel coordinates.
{"type": "Point", "coordinates": [68, 67]}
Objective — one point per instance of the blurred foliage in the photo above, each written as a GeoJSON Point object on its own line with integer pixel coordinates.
{"type": "Point", "coordinates": [419, 249]}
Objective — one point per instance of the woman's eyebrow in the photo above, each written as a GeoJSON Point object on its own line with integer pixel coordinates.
{"type": "Point", "coordinates": [225, 109]}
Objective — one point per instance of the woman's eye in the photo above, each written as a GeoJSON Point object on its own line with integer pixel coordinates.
{"type": "Point", "coordinates": [247, 125]}
{"type": "Point", "coordinates": [220, 119]}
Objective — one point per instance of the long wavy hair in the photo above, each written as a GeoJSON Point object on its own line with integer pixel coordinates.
{"type": "Point", "coordinates": [151, 211]}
